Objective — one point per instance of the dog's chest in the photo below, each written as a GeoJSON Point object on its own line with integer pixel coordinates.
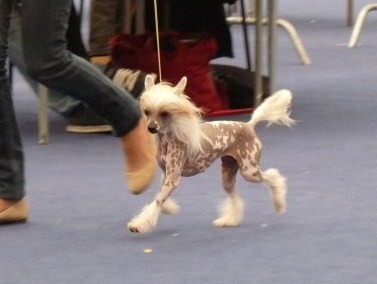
{"type": "Point", "coordinates": [172, 156]}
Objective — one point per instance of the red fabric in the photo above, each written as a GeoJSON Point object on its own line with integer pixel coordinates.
{"type": "Point", "coordinates": [179, 57]}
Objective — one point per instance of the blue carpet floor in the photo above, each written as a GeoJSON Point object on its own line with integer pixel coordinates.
{"type": "Point", "coordinates": [80, 206]}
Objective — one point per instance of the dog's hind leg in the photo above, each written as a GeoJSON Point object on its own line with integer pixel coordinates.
{"type": "Point", "coordinates": [232, 209]}
{"type": "Point", "coordinates": [278, 188]}
{"type": "Point", "coordinates": [272, 179]}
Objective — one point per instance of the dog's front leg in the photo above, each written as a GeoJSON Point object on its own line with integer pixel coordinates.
{"type": "Point", "coordinates": [148, 217]}
{"type": "Point", "coordinates": [169, 206]}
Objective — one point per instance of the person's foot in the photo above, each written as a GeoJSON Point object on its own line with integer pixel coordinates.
{"type": "Point", "coordinates": [13, 211]}
{"type": "Point", "coordinates": [85, 120]}
{"type": "Point", "coordinates": [140, 155]}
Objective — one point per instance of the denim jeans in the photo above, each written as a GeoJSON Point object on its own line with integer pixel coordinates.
{"type": "Point", "coordinates": [58, 102]}
{"type": "Point", "coordinates": [11, 155]}
{"type": "Point", "coordinates": [43, 27]}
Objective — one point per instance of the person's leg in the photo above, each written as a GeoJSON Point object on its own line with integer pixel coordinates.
{"type": "Point", "coordinates": [44, 24]}
{"type": "Point", "coordinates": [11, 153]}
{"type": "Point", "coordinates": [80, 118]}
{"type": "Point", "coordinates": [60, 103]}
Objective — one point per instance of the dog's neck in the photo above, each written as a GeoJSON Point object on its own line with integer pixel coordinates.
{"type": "Point", "coordinates": [190, 144]}
{"type": "Point", "coordinates": [165, 136]}
{"type": "Point", "coordinates": [170, 137]}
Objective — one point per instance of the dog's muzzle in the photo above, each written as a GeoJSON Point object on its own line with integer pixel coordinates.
{"type": "Point", "coordinates": [153, 127]}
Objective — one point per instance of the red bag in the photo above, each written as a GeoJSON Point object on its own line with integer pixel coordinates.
{"type": "Point", "coordinates": [180, 56]}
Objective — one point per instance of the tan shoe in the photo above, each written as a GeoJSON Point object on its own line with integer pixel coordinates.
{"type": "Point", "coordinates": [140, 154]}
{"type": "Point", "coordinates": [16, 213]}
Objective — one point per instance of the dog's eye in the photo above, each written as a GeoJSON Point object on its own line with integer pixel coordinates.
{"type": "Point", "coordinates": [164, 114]}
{"type": "Point", "coordinates": [146, 112]}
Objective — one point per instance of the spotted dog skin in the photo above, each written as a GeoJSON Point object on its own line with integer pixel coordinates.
{"type": "Point", "coordinates": [234, 140]}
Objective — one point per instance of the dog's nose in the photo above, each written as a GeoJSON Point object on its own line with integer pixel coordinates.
{"type": "Point", "coordinates": [152, 129]}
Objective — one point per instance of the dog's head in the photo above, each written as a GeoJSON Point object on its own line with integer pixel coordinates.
{"type": "Point", "coordinates": [166, 106]}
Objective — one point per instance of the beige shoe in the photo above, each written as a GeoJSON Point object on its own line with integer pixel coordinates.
{"type": "Point", "coordinates": [16, 213]}
{"type": "Point", "coordinates": [139, 180]}
{"type": "Point", "coordinates": [140, 154]}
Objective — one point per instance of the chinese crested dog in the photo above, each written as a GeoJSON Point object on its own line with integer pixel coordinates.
{"type": "Point", "coordinates": [188, 146]}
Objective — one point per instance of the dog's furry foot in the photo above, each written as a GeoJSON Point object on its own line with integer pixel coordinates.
{"type": "Point", "coordinates": [278, 189]}
{"type": "Point", "coordinates": [146, 220]}
{"type": "Point", "coordinates": [231, 213]}
{"type": "Point", "coordinates": [280, 209]}
{"type": "Point", "coordinates": [136, 225]}
{"type": "Point", "coordinates": [132, 227]}
{"type": "Point", "coordinates": [225, 222]}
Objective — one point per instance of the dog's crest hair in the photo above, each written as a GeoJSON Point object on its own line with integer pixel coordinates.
{"type": "Point", "coordinates": [186, 117]}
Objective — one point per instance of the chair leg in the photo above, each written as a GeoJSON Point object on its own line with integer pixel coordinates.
{"type": "Point", "coordinates": [349, 18]}
{"type": "Point", "coordinates": [290, 29]}
{"type": "Point", "coordinates": [43, 127]}
{"type": "Point", "coordinates": [258, 88]}
{"type": "Point", "coordinates": [272, 54]}
{"type": "Point", "coordinates": [359, 24]}
{"type": "Point", "coordinates": [296, 40]}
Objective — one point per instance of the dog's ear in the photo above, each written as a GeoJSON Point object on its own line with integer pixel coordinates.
{"type": "Point", "coordinates": [180, 87]}
{"type": "Point", "coordinates": [149, 82]}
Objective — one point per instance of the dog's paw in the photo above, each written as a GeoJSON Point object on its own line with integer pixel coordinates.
{"type": "Point", "coordinates": [280, 208]}
{"type": "Point", "coordinates": [135, 226]}
{"type": "Point", "coordinates": [225, 222]}
{"type": "Point", "coordinates": [146, 220]}
{"type": "Point", "coordinates": [132, 227]}
{"type": "Point", "coordinates": [231, 212]}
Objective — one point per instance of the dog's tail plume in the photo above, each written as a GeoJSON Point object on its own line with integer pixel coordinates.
{"type": "Point", "coordinates": [274, 110]}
